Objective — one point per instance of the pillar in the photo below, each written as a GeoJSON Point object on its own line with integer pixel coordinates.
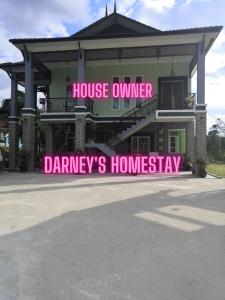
{"type": "Point", "coordinates": [80, 129]}
{"type": "Point", "coordinates": [191, 140]}
{"type": "Point", "coordinates": [49, 139]}
{"type": "Point", "coordinates": [29, 112]}
{"type": "Point", "coordinates": [81, 72]}
{"type": "Point", "coordinates": [80, 110]}
{"type": "Point", "coordinates": [201, 74]}
{"type": "Point", "coordinates": [201, 139]}
{"type": "Point", "coordinates": [13, 125]}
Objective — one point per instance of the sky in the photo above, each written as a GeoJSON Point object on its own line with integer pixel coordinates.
{"type": "Point", "coordinates": [52, 18]}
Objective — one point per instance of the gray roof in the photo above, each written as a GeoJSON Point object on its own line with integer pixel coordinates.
{"type": "Point", "coordinates": [119, 26]}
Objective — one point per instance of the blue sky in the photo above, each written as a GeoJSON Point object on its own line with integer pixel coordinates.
{"type": "Point", "coordinates": [49, 18]}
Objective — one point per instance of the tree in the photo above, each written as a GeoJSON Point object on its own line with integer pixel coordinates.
{"type": "Point", "coordinates": [216, 141]}
{"type": "Point", "coordinates": [219, 127]}
{"type": "Point", "coordinates": [5, 105]}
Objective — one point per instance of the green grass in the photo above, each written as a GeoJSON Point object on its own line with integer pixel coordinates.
{"type": "Point", "coordinates": [217, 169]}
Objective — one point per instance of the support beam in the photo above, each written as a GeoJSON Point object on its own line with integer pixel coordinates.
{"type": "Point", "coordinates": [201, 140]}
{"type": "Point", "coordinates": [13, 102]}
{"type": "Point", "coordinates": [191, 140]}
{"type": "Point", "coordinates": [29, 112]}
{"type": "Point", "coordinates": [192, 66]}
{"type": "Point", "coordinates": [81, 72]}
{"type": "Point", "coordinates": [80, 126]}
{"type": "Point", "coordinates": [201, 74]}
{"type": "Point", "coordinates": [29, 81]}
{"type": "Point", "coordinates": [13, 124]}
{"type": "Point", "coordinates": [80, 132]}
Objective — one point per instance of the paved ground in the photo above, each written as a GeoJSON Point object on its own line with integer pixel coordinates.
{"type": "Point", "coordinates": [111, 238]}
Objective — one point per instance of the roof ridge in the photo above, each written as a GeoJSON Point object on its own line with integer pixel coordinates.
{"type": "Point", "coordinates": [114, 14]}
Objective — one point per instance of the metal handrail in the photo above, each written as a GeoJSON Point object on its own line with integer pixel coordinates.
{"type": "Point", "coordinates": [47, 103]}
{"type": "Point", "coordinates": [134, 110]}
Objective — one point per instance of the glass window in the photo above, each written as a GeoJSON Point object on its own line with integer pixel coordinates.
{"type": "Point", "coordinates": [126, 101]}
{"type": "Point", "coordinates": [177, 141]}
{"type": "Point", "coordinates": [116, 101]}
{"type": "Point", "coordinates": [138, 79]}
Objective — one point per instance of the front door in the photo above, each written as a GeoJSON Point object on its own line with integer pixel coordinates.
{"type": "Point", "coordinates": [140, 144]}
{"type": "Point", "coordinates": [172, 92]}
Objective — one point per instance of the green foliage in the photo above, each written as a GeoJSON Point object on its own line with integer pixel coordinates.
{"type": "Point", "coordinates": [216, 141]}
{"type": "Point", "coordinates": [5, 105]}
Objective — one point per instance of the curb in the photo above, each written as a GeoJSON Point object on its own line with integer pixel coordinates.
{"type": "Point", "coordinates": [216, 176]}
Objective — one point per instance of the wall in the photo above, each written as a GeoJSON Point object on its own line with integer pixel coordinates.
{"type": "Point", "coordinates": [150, 72]}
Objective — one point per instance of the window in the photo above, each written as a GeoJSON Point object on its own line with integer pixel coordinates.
{"type": "Point", "coordinates": [138, 79]}
{"type": "Point", "coordinates": [126, 101]}
{"type": "Point", "coordinates": [177, 140]}
{"type": "Point", "coordinates": [116, 101]}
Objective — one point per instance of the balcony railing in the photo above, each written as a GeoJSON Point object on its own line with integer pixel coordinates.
{"type": "Point", "coordinates": [188, 103]}
{"type": "Point", "coordinates": [63, 104]}
{"type": "Point", "coordinates": [69, 104]}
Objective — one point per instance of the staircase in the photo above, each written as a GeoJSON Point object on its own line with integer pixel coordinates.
{"type": "Point", "coordinates": [142, 115]}
{"type": "Point", "coordinates": [102, 147]}
{"type": "Point", "coordinates": [138, 118]}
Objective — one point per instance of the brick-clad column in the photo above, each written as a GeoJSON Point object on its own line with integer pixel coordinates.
{"type": "Point", "coordinates": [80, 109]}
{"type": "Point", "coordinates": [29, 136]}
{"type": "Point", "coordinates": [13, 125]}
{"type": "Point", "coordinates": [13, 142]}
{"type": "Point", "coordinates": [80, 129]}
{"type": "Point", "coordinates": [201, 139]}
{"type": "Point", "coordinates": [191, 140]}
{"type": "Point", "coordinates": [29, 112]}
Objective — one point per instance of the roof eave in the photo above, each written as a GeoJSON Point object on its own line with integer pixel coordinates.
{"type": "Point", "coordinates": [158, 33]}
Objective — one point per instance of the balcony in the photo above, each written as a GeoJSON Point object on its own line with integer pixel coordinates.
{"type": "Point", "coordinates": [177, 103]}
{"type": "Point", "coordinates": [51, 105]}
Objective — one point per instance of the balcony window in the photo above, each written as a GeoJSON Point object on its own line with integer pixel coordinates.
{"type": "Point", "coordinates": [126, 101]}
{"type": "Point", "coordinates": [138, 79]}
{"type": "Point", "coordinates": [116, 101]}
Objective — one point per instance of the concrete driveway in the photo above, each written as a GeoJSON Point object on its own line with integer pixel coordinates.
{"type": "Point", "coordinates": [111, 237]}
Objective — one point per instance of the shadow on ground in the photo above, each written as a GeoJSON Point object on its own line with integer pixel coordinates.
{"type": "Point", "coordinates": [108, 253]}
{"type": "Point", "coordinates": [54, 179]}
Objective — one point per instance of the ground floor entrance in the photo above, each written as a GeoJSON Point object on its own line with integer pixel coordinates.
{"type": "Point", "coordinates": [140, 144]}
{"type": "Point", "coordinates": [162, 138]}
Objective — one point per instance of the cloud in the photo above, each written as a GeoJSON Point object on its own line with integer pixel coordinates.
{"type": "Point", "coordinates": [43, 18]}
{"type": "Point", "coordinates": [38, 19]}
{"type": "Point", "coordinates": [159, 5]}
{"type": "Point", "coordinates": [191, 1]}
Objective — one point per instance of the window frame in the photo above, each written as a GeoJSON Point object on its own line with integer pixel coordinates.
{"type": "Point", "coordinates": [119, 108]}
{"type": "Point", "coordinates": [169, 136]}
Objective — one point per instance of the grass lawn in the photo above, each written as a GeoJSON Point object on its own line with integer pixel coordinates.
{"type": "Point", "coordinates": [217, 169]}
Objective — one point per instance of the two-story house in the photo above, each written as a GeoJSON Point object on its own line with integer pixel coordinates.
{"type": "Point", "coordinates": [114, 49]}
